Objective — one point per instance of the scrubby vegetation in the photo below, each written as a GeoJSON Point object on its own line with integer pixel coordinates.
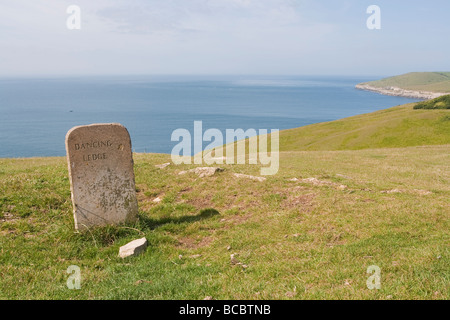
{"type": "Point", "coordinates": [438, 103]}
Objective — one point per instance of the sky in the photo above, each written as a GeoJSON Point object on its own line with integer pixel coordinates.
{"type": "Point", "coordinates": [214, 37]}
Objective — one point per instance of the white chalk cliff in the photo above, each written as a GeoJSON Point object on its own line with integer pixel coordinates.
{"type": "Point", "coordinates": [395, 91]}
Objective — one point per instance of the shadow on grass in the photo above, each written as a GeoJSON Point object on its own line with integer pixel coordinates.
{"type": "Point", "coordinates": [150, 223]}
{"type": "Point", "coordinates": [108, 235]}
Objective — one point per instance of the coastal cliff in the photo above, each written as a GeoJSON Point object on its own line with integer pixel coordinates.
{"type": "Point", "coordinates": [416, 85]}
{"type": "Point", "coordinates": [395, 91]}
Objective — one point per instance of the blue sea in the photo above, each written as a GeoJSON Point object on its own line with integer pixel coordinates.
{"type": "Point", "coordinates": [35, 114]}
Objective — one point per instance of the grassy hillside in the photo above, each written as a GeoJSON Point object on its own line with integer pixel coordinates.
{"type": "Point", "coordinates": [304, 239]}
{"type": "Point", "coordinates": [419, 81]}
{"type": "Point", "coordinates": [399, 126]}
{"type": "Point", "coordinates": [308, 232]}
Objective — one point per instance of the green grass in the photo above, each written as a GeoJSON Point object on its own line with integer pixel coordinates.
{"type": "Point", "coordinates": [438, 103]}
{"type": "Point", "coordinates": [400, 126]}
{"type": "Point", "coordinates": [299, 241]}
{"type": "Point", "coordinates": [418, 81]}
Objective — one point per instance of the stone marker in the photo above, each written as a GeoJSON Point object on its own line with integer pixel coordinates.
{"type": "Point", "coordinates": [133, 248]}
{"type": "Point", "coordinates": [101, 175]}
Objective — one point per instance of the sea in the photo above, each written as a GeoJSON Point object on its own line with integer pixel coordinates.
{"type": "Point", "coordinates": [36, 113]}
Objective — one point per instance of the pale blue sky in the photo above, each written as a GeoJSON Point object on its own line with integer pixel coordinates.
{"type": "Point", "coordinates": [291, 37]}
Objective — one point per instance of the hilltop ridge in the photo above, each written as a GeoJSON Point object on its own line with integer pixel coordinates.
{"type": "Point", "coordinates": [400, 126]}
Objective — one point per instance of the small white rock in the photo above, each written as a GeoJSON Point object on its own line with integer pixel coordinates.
{"type": "Point", "coordinates": [133, 248]}
{"type": "Point", "coordinates": [240, 175]}
{"type": "Point", "coordinates": [162, 166]}
{"type": "Point", "coordinates": [233, 259]}
{"type": "Point", "coordinates": [203, 171]}
{"type": "Point", "coordinates": [207, 171]}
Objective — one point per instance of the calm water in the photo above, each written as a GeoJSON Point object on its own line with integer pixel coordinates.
{"type": "Point", "coordinates": [35, 114]}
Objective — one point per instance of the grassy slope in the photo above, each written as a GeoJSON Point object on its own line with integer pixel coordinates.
{"type": "Point", "coordinates": [419, 81]}
{"type": "Point", "coordinates": [298, 240]}
{"type": "Point", "coordinates": [400, 126]}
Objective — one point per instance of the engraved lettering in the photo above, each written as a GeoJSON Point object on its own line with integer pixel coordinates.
{"type": "Point", "coordinates": [94, 156]}
{"type": "Point", "coordinates": [93, 145]}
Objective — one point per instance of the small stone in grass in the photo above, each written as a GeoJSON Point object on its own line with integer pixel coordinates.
{"type": "Point", "coordinates": [157, 200]}
{"type": "Point", "coordinates": [233, 259]}
{"type": "Point", "coordinates": [162, 166]}
{"type": "Point", "coordinates": [240, 175]}
{"type": "Point", "coordinates": [203, 171]}
{"type": "Point", "coordinates": [133, 248]}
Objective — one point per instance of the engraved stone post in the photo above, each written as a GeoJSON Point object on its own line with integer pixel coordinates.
{"type": "Point", "coordinates": [101, 175]}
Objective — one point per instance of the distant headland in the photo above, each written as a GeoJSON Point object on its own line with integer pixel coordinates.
{"type": "Point", "coordinates": [418, 85]}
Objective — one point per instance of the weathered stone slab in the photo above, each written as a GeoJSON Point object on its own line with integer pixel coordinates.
{"type": "Point", "coordinates": [101, 175]}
